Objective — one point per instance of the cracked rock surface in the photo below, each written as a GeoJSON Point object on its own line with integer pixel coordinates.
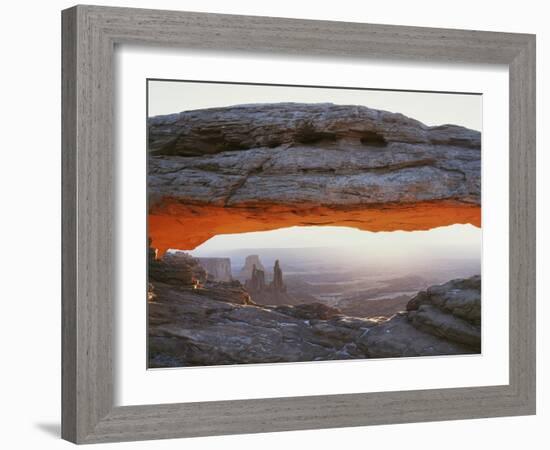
{"type": "Point", "coordinates": [444, 319]}
{"type": "Point", "coordinates": [322, 154]}
{"type": "Point", "coordinates": [219, 324]}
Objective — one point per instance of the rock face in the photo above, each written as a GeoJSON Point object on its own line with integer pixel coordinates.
{"type": "Point", "coordinates": [218, 323]}
{"type": "Point", "coordinates": [188, 327]}
{"type": "Point", "coordinates": [461, 298]}
{"type": "Point", "coordinates": [176, 268]}
{"type": "Point", "coordinates": [237, 128]}
{"type": "Point", "coordinates": [277, 284]}
{"type": "Point", "coordinates": [264, 166]}
{"type": "Point", "coordinates": [250, 262]}
{"type": "Point", "coordinates": [444, 319]}
{"type": "Point", "coordinates": [273, 293]}
{"type": "Point", "coordinates": [257, 280]}
{"type": "Point", "coordinates": [217, 269]}
{"type": "Point", "coordinates": [397, 337]}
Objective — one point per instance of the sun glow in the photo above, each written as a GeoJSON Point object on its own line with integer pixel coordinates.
{"type": "Point", "coordinates": [458, 240]}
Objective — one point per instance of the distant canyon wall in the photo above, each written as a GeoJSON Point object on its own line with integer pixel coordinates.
{"type": "Point", "coordinates": [217, 269]}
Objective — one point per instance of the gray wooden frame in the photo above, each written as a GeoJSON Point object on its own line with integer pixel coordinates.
{"type": "Point", "coordinates": [89, 36]}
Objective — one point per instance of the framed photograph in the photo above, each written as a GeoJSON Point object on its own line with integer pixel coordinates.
{"type": "Point", "coordinates": [278, 224]}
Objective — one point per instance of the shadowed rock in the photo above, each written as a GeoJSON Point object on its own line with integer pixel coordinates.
{"type": "Point", "coordinates": [190, 327]}
{"type": "Point", "coordinates": [176, 268]}
{"type": "Point", "coordinates": [434, 321]}
{"type": "Point", "coordinates": [444, 319]}
{"type": "Point", "coordinates": [218, 323]}
{"type": "Point", "coordinates": [461, 298]}
{"type": "Point", "coordinates": [397, 337]}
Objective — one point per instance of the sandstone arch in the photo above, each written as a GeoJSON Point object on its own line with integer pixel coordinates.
{"type": "Point", "coordinates": [266, 166]}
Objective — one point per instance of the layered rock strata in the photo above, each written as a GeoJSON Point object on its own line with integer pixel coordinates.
{"type": "Point", "coordinates": [217, 269]}
{"type": "Point", "coordinates": [265, 166]}
{"type": "Point", "coordinates": [447, 314]}
{"type": "Point", "coordinates": [179, 269]}
{"type": "Point", "coordinates": [218, 323]}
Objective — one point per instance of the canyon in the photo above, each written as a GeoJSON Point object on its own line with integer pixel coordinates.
{"type": "Point", "coordinates": [196, 322]}
{"type": "Point", "coordinates": [262, 292]}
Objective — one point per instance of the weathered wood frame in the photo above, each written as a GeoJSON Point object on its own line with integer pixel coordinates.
{"type": "Point", "coordinates": [89, 36]}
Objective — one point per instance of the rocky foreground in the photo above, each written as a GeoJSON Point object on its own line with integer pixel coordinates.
{"type": "Point", "coordinates": [194, 324]}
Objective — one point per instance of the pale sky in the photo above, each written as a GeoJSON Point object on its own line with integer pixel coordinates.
{"type": "Point", "coordinates": [167, 97]}
{"type": "Point", "coordinates": [460, 240]}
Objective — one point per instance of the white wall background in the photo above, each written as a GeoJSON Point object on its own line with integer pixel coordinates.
{"type": "Point", "coordinates": [31, 207]}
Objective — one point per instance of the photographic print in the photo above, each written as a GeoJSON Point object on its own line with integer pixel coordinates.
{"type": "Point", "coordinates": [299, 223]}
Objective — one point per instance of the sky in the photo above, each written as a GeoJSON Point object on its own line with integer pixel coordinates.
{"type": "Point", "coordinates": [459, 240]}
{"type": "Point", "coordinates": [167, 97]}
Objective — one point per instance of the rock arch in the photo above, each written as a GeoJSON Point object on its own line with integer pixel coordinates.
{"type": "Point", "coordinates": [266, 166]}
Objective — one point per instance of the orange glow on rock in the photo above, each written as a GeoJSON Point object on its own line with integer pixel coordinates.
{"type": "Point", "coordinates": [178, 226]}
